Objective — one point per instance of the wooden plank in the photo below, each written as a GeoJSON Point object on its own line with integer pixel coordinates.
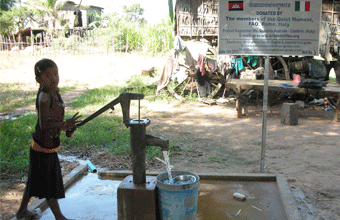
{"type": "Point", "coordinates": [332, 89]}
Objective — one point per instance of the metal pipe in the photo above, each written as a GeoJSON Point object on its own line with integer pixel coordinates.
{"type": "Point", "coordinates": [155, 141]}
{"type": "Point", "coordinates": [138, 146]}
{"type": "Point", "coordinates": [139, 140]}
{"type": "Point", "coordinates": [138, 109]}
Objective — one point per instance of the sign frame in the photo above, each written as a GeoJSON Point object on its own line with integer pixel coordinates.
{"type": "Point", "coordinates": [269, 27]}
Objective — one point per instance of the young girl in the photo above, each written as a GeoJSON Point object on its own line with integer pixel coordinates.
{"type": "Point", "coordinates": [44, 175]}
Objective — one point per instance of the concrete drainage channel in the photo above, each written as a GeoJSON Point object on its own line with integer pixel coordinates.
{"type": "Point", "coordinates": [94, 196]}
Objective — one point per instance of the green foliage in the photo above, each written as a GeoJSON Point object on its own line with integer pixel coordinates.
{"type": "Point", "coordinates": [48, 8]}
{"type": "Point", "coordinates": [134, 13]}
{"type": "Point", "coordinates": [98, 20]}
{"type": "Point", "coordinates": [7, 26]}
{"type": "Point", "coordinates": [158, 38]}
{"type": "Point", "coordinates": [141, 84]}
{"type": "Point", "coordinates": [171, 11]}
{"type": "Point", "coordinates": [15, 18]}
{"type": "Point", "coordinates": [113, 32]}
{"type": "Point", "coordinates": [6, 5]}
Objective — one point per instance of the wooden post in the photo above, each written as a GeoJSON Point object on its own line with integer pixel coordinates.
{"type": "Point", "coordinates": [9, 45]}
{"type": "Point", "coordinates": [239, 106]}
{"type": "Point", "coordinates": [264, 114]}
{"type": "Point", "coordinates": [32, 41]}
{"type": "Point", "coordinates": [336, 117]}
{"type": "Point", "coordinates": [14, 42]}
{"type": "Point", "coordinates": [2, 43]}
{"type": "Point", "coordinates": [19, 41]}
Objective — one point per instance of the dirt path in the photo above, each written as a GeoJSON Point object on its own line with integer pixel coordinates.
{"type": "Point", "coordinates": [210, 139]}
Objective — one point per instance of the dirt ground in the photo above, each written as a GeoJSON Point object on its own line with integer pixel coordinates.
{"type": "Point", "coordinates": [211, 139]}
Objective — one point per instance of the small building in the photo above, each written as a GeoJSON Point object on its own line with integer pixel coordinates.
{"type": "Point", "coordinates": [38, 27]}
{"type": "Point", "coordinates": [67, 14]}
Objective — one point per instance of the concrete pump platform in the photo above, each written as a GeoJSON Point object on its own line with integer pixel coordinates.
{"type": "Point", "coordinates": [94, 196]}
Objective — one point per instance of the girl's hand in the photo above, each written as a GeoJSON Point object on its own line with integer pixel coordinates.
{"type": "Point", "coordinates": [71, 122]}
{"type": "Point", "coordinates": [70, 132]}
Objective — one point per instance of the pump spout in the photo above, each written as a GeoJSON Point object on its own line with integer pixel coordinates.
{"type": "Point", "coordinates": [155, 141]}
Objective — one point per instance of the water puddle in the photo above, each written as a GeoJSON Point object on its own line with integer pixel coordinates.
{"type": "Point", "coordinates": [72, 159]}
{"type": "Point", "coordinates": [15, 117]}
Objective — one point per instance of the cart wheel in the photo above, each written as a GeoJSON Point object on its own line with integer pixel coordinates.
{"type": "Point", "coordinates": [189, 87]}
{"type": "Point", "coordinates": [180, 89]}
{"type": "Point", "coordinates": [277, 64]}
{"type": "Point", "coordinates": [281, 67]}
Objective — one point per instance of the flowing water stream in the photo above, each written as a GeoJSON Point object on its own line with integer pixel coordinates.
{"type": "Point", "coordinates": [167, 164]}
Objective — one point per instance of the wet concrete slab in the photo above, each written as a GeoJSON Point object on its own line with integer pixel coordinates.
{"type": "Point", "coordinates": [89, 198]}
{"type": "Point", "coordinates": [94, 196]}
{"type": "Point", "coordinates": [262, 200]}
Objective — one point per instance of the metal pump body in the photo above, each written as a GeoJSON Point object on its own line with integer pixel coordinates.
{"type": "Point", "coordinates": [139, 140]}
{"type": "Point", "coordinates": [135, 190]}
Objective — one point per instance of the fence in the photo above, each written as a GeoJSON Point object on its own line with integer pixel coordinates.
{"type": "Point", "coordinates": [77, 42]}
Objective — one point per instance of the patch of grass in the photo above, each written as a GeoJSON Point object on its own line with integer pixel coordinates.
{"type": "Point", "coordinates": [13, 95]}
{"type": "Point", "coordinates": [67, 88]}
{"type": "Point", "coordinates": [14, 61]}
{"type": "Point", "coordinates": [215, 159]}
{"type": "Point", "coordinates": [97, 96]}
{"type": "Point", "coordinates": [332, 79]}
{"type": "Point", "coordinates": [104, 132]}
{"type": "Point", "coordinates": [14, 146]}
{"type": "Point", "coordinates": [153, 151]}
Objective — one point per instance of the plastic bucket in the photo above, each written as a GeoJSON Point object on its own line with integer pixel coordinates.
{"type": "Point", "coordinates": [177, 201]}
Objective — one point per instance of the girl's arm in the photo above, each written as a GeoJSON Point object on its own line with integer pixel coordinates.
{"type": "Point", "coordinates": [44, 101]}
{"type": "Point", "coordinates": [45, 124]}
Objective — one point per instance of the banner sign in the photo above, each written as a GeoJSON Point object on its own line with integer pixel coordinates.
{"type": "Point", "coordinates": [269, 27]}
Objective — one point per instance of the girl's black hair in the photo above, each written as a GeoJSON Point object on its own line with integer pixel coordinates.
{"type": "Point", "coordinates": [42, 65]}
{"type": "Point", "coordinates": [39, 68]}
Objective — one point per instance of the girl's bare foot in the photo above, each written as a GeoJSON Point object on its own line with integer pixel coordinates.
{"type": "Point", "coordinates": [27, 214]}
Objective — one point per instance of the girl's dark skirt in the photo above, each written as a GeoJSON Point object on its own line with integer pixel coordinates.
{"type": "Point", "coordinates": [44, 176]}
